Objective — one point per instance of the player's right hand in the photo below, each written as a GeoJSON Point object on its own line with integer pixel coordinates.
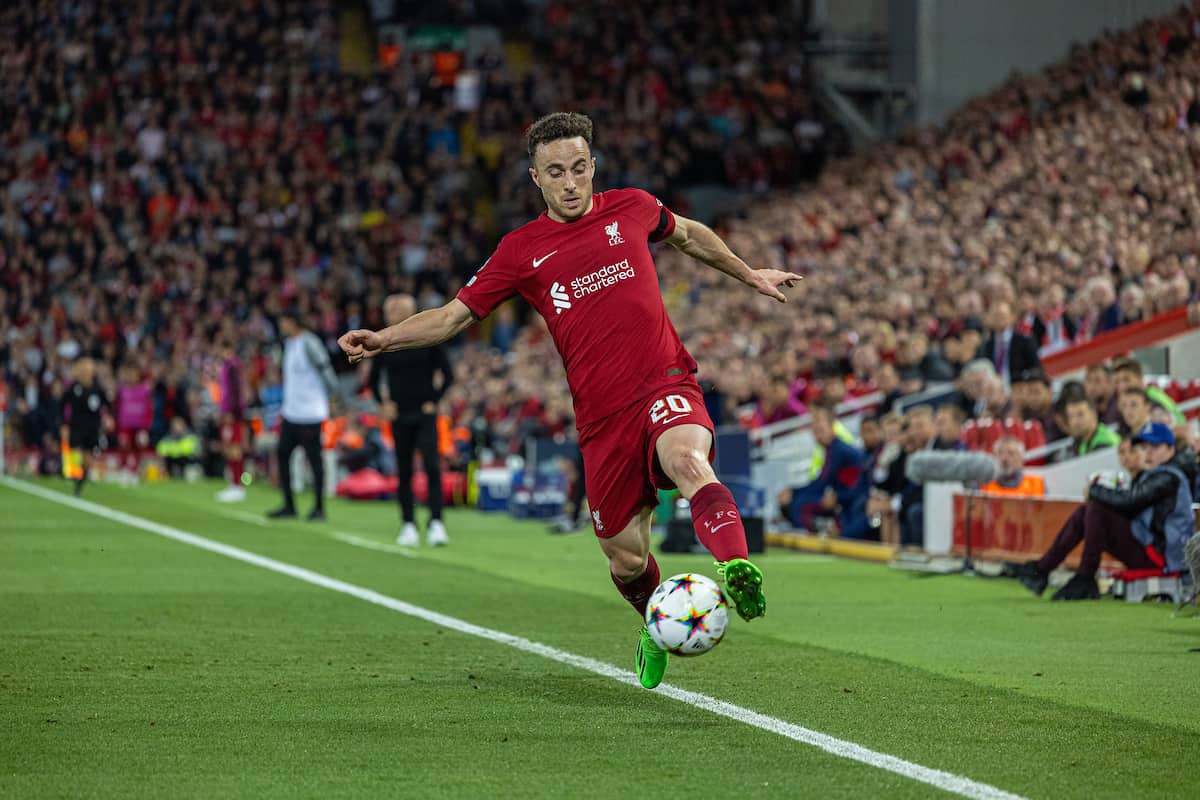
{"type": "Point", "coordinates": [361, 344]}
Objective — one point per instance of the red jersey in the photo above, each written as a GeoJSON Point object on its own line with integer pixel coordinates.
{"type": "Point", "coordinates": [594, 282]}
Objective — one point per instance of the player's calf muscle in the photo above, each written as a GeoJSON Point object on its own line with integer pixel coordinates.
{"type": "Point", "coordinates": [627, 565]}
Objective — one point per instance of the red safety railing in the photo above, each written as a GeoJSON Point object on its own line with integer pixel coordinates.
{"type": "Point", "coordinates": [1119, 342]}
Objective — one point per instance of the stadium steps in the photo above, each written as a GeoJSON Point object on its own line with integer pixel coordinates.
{"type": "Point", "coordinates": [354, 41]}
{"type": "Point", "coordinates": [848, 548]}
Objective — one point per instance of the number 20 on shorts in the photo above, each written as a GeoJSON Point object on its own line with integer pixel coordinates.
{"type": "Point", "coordinates": [675, 404]}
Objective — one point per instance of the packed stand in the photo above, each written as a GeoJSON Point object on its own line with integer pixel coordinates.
{"type": "Point", "coordinates": [1070, 195]}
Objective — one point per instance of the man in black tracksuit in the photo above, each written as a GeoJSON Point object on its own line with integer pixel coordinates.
{"type": "Point", "coordinates": [411, 404]}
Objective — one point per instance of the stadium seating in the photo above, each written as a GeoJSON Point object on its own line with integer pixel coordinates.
{"type": "Point", "coordinates": [143, 230]}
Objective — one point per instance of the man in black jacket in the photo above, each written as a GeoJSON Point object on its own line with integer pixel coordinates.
{"type": "Point", "coordinates": [416, 380]}
{"type": "Point", "coordinates": [1010, 352]}
{"type": "Point", "coordinates": [1145, 526]}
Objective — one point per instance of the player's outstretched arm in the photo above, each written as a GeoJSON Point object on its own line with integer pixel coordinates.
{"type": "Point", "coordinates": [700, 242]}
{"type": "Point", "coordinates": [420, 330]}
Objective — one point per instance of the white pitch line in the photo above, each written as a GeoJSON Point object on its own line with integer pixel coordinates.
{"type": "Point", "coordinates": [371, 544]}
{"type": "Point", "coordinates": [243, 516]}
{"type": "Point", "coordinates": [947, 781]}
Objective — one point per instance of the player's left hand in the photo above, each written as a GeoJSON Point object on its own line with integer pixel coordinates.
{"type": "Point", "coordinates": [768, 281]}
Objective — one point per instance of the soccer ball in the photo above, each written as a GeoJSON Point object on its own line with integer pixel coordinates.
{"type": "Point", "coordinates": [687, 615]}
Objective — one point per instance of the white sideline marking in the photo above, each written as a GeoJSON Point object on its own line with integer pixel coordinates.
{"type": "Point", "coordinates": [947, 781]}
{"type": "Point", "coordinates": [371, 544]}
{"type": "Point", "coordinates": [243, 516]}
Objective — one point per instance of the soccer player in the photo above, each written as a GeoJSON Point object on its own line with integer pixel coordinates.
{"type": "Point", "coordinates": [83, 410]}
{"type": "Point", "coordinates": [233, 425]}
{"type": "Point", "coordinates": [585, 265]}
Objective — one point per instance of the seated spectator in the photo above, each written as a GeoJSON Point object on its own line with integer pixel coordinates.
{"type": "Point", "coordinates": [773, 405]}
{"type": "Point", "coordinates": [1088, 433]}
{"type": "Point", "coordinates": [1102, 389]}
{"type": "Point", "coordinates": [838, 491]}
{"type": "Point", "coordinates": [1011, 478]}
{"type": "Point", "coordinates": [972, 387]}
{"type": "Point", "coordinates": [949, 424]}
{"type": "Point", "coordinates": [1130, 306]}
{"type": "Point", "coordinates": [887, 382]}
{"type": "Point", "coordinates": [996, 400]}
{"type": "Point", "coordinates": [1033, 401]}
{"type": "Point", "coordinates": [818, 454]}
{"type": "Point", "coordinates": [915, 352]}
{"type": "Point", "coordinates": [832, 379]}
{"type": "Point", "coordinates": [1145, 526]}
{"type": "Point", "coordinates": [970, 339]}
{"type": "Point", "coordinates": [1052, 328]}
{"type": "Point", "coordinates": [911, 381]}
{"type": "Point", "coordinates": [870, 432]}
{"type": "Point", "coordinates": [896, 493]}
{"type": "Point", "coordinates": [1009, 351]}
{"type": "Point", "coordinates": [1130, 459]}
{"type": "Point", "coordinates": [178, 448]}
{"type": "Point", "coordinates": [1127, 374]}
{"type": "Point", "coordinates": [1134, 405]}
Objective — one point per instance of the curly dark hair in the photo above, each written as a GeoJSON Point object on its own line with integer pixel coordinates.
{"type": "Point", "coordinates": [559, 125]}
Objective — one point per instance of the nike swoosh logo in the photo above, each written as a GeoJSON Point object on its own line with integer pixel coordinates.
{"type": "Point", "coordinates": [672, 419]}
{"type": "Point", "coordinates": [537, 262]}
{"type": "Point", "coordinates": [718, 527]}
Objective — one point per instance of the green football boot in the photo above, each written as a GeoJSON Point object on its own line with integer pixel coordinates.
{"type": "Point", "coordinates": [743, 582]}
{"type": "Point", "coordinates": [650, 661]}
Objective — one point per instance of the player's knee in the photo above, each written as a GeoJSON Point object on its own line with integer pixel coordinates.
{"type": "Point", "coordinates": [627, 565]}
{"type": "Point", "coordinates": [687, 464]}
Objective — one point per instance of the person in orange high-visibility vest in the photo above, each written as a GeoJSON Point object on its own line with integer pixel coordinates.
{"type": "Point", "coordinates": [1011, 478]}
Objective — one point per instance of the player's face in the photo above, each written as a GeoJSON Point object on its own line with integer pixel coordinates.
{"type": "Point", "coordinates": [563, 170]}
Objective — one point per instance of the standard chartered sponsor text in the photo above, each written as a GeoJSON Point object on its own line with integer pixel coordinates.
{"type": "Point", "coordinates": [601, 278]}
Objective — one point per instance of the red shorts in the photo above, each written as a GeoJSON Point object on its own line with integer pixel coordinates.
{"type": "Point", "coordinates": [233, 433]}
{"type": "Point", "coordinates": [620, 467]}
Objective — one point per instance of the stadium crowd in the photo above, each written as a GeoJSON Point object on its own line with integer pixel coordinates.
{"type": "Point", "coordinates": [177, 174]}
{"type": "Point", "coordinates": [1069, 195]}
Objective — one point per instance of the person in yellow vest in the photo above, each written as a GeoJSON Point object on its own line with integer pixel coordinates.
{"type": "Point", "coordinates": [841, 432]}
{"type": "Point", "coordinates": [178, 448]}
{"type": "Point", "coordinates": [1011, 478]}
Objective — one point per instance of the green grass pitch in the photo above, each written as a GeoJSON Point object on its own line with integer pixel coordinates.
{"type": "Point", "coordinates": [135, 666]}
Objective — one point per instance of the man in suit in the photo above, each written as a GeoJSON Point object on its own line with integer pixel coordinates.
{"type": "Point", "coordinates": [1010, 352]}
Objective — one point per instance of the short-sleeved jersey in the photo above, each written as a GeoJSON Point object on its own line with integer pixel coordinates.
{"type": "Point", "coordinates": [594, 282]}
{"type": "Point", "coordinates": [83, 405]}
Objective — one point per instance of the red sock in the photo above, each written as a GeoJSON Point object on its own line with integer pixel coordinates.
{"type": "Point", "coordinates": [717, 522]}
{"type": "Point", "coordinates": [638, 590]}
{"type": "Point", "coordinates": [235, 471]}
